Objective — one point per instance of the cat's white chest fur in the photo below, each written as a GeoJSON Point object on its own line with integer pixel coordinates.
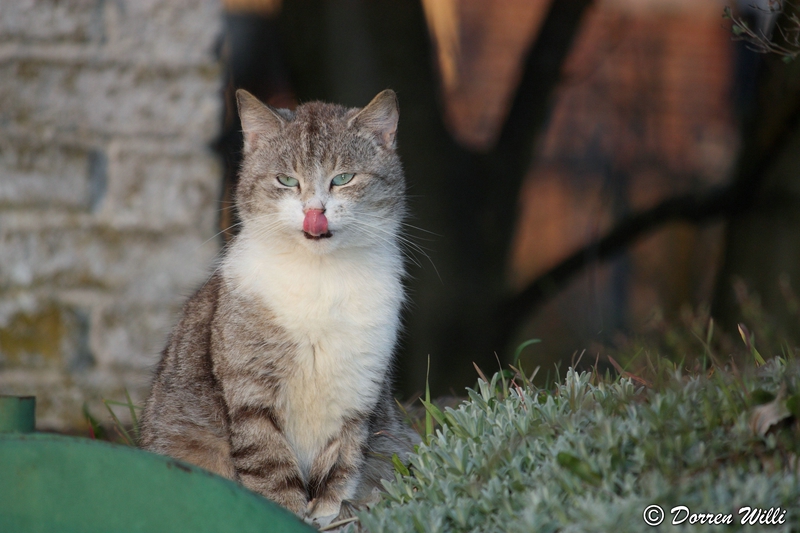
{"type": "Point", "coordinates": [342, 311]}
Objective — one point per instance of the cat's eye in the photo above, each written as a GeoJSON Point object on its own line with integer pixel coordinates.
{"type": "Point", "coordinates": [288, 181]}
{"type": "Point", "coordinates": [342, 179]}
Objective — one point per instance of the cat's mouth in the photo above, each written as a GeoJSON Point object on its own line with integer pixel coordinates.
{"type": "Point", "coordinates": [326, 235]}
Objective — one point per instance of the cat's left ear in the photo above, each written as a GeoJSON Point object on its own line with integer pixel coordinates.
{"type": "Point", "coordinates": [380, 117]}
{"type": "Point", "coordinates": [258, 119]}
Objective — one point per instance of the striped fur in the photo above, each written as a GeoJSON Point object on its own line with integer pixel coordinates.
{"type": "Point", "coordinates": [277, 374]}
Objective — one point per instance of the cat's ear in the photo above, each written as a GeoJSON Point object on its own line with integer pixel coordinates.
{"type": "Point", "coordinates": [380, 117]}
{"type": "Point", "coordinates": [258, 119]}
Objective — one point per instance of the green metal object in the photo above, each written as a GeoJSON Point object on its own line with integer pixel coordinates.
{"type": "Point", "coordinates": [17, 414]}
{"type": "Point", "coordinates": [56, 483]}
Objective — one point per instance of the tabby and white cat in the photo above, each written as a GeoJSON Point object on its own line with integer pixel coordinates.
{"type": "Point", "coordinates": [278, 373]}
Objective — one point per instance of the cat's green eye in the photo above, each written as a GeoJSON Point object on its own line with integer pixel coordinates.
{"type": "Point", "coordinates": [342, 179]}
{"type": "Point", "coordinates": [288, 181]}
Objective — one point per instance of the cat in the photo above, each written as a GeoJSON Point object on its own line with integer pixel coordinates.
{"type": "Point", "coordinates": [278, 373]}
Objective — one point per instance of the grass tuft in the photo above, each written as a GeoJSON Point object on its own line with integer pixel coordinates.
{"type": "Point", "coordinates": [594, 451]}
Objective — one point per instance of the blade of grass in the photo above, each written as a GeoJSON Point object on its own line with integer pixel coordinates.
{"type": "Point", "coordinates": [480, 372]}
{"type": "Point", "coordinates": [95, 429]}
{"type": "Point", "coordinates": [407, 417]}
{"type": "Point", "coordinates": [580, 357]}
{"type": "Point", "coordinates": [134, 418]}
{"type": "Point", "coordinates": [436, 413]}
{"type": "Point", "coordinates": [399, 466]}
{"type": "Point", "coordinates": [749, 341]}
{"type": "Point", "coordinates": [428, 415]}
{"type": "Point", "coordinates": [710, 334]}
{"type": "Point", "coordinates": [502, 375]}
{"type": "Point", "coordinates": [624, 373]}
{"type": "Point", "coordinates": [522, 376]}
{"type": "Point", "coordinates": [339, 523]}
{"type": "Point", "coordinates": [518, 351]}
{"type": "Point", "coordinates": [122, 404]}
{"type": "Point", "coordinates": [117, 423]}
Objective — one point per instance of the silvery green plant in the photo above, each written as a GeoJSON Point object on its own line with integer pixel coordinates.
{"type": "Point", "coordinates": [594, 453]}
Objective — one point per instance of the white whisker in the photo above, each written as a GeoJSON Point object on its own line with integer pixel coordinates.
{"type": "Point", "coordinates": [364, 229]}
{"type": "Point", "coordinates": [403, 241]}
{"type": "Point", "coordinates": [403, 223]}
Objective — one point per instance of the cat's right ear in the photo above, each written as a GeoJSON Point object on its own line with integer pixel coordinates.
{"type": "Point", "coordinates": [258, 119]}
{"type": "Point", "coordinates": [380, 117]}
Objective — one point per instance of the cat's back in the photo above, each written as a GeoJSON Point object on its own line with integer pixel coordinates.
{"type": "Point", "coordinates": [185, 415]}
{"type": "Point", "coordinates": [188, 348]}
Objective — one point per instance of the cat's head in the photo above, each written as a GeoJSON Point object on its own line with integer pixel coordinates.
{"type": "Point", "coordinates": [324, 177]}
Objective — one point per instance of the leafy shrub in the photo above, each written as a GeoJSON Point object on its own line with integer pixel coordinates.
{"type": "Point", "coordinates": [595, 452]}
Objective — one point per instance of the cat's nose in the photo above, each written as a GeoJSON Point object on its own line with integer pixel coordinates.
{"type": "Point", "coordinates": [313, 205]}
{"type": "Point", "coordinates": [315, 222]}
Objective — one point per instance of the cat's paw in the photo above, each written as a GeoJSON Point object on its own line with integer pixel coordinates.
{"type": "Point", "coordinates": [322, 512]}
{"type": "Point", "coordinates": [347, 510]}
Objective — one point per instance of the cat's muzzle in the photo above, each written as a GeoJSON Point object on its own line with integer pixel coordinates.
{"type": "Point", "coordinates": [318, 237]}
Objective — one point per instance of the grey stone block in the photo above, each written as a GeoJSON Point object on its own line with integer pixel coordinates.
{"type": "Point", "coordinates": [49, 20]}
{"type": "Point", "coordinates": [44, 175]}
{"type": "Point", "coordinates": [157, 187]}
{"type": "Point", "coordinates": [96, 100]}
{"type": "Point", "coordinates": [126, 337]}
{"type": "Point", "coordinates": [49, 336]}
{"type": "Point", "coordinates": [140, 266]}
{"type": "Point", "coordinates": [172, 31]}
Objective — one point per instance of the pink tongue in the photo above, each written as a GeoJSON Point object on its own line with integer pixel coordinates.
{"type": "Point", "coordinates": [315, 223]}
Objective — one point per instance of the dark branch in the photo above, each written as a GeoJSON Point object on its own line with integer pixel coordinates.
{"type": "Point", "coordinates": [736, 198]}
{"type": "Point", "coordinates": [689, 208]}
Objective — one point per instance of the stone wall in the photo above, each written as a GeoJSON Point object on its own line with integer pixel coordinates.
{"type": "Point", "coordinates": [108, 191]}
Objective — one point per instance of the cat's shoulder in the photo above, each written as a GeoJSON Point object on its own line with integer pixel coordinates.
{"type": "Point", "coordinates": [201, 306]}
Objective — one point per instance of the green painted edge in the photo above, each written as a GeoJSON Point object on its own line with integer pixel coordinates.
{"type": "Point", "coordinates": [17, 414]}
{"type": "Point", "coordinates": [57, 483]}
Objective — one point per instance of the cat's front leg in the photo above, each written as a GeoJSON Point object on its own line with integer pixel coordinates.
{"type": "Point", "coordinates": [263, 460]}
{"type": "Point", "coordinates": [336, 471]}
